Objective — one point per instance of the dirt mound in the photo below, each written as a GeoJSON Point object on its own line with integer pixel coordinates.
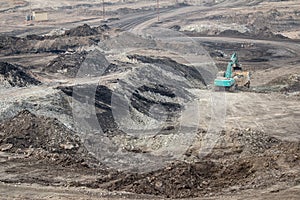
{"type": "Point", "coordinates": [15, 76]}
{"type": "Point", "coordinates": [86, 30]}
{"type": "Point", "coordinates": [67, 64]}
{"type": "Point", "coordinates": [263, 33]}
{"type": "Point", "coordinates": [287, 84]}
{"type": "Point", "coordinates": [102, 96]}
{"type": "Point", "coordinates": [52, 43]}
{"type": "Point", "coordinates": [190, 73]}
{"type": "Point", "coordinates": [182, 180]}
{"type": "Point", "coordinates": [241, 160]}
{"type": "Point", "coordinates": [231, 33]}
{"type": "Point", "coordinates": [266, 33]}
{"type": "Point", "coordinates": [94, 62]}
{"type": "Point", "coordinates": [9, 44]}
{"type": "Point", "coordinates": [27, 130]}
{"type": "Point", "coordinates": [290, 83]}
{"type": "Point", "coordinates": [41, 137]}
{"type": "Point", "coordinates": [38, 44]}
{"type": "Point", "coordinates": [147, 86]}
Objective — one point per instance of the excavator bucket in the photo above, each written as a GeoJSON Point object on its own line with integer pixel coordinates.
{"type": "Point", "coordinates": [242, 78]}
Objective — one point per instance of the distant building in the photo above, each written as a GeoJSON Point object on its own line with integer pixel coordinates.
{"type": "Point", "coordinates": [39, 16]}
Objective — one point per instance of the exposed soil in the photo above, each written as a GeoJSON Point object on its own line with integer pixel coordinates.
{"type": "Point", "coordinates": [15, 76]}
{"type": "Point", "coordinates": [71, 39]}
{"type": "Point", "coordinates": [189, 72]}
{"type": "Point", "coordinates": [237, 165]}
{"type": "Point", "coordinates": [287, 84]}
{"type": "Point", "coordinates": [240, 160]}
{"type": "Point", "coordinates": [251, 23]}
{"type": "Point", "coordinates": [263, 33]}
{"type": "Point", "coordinates": [86, 30]}
{"type": "Point", "coordinates": [42, 138]}
{"type": "Point", "coordinates": [67, 64]}
{"type": "Point", "coordinates": [155, 107]}
{"type": "Point", "coordinates": [14, 45]}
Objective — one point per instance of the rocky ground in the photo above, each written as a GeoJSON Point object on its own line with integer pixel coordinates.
{"type": "Point", "coordinates": [92, 111]}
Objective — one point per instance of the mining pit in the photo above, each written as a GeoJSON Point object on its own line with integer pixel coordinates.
{"type": "Point", "coordinates": [124, 107]}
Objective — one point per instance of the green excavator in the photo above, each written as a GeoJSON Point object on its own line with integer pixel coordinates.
{"type": "Point", "coordinates": [234, 77]}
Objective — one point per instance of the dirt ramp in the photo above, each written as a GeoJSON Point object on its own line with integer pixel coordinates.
{"type": "Point", "coordinates": [14, 76]}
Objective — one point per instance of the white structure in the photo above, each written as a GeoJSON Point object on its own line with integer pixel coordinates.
{"type": "Point", "coordinates": [40, 16]}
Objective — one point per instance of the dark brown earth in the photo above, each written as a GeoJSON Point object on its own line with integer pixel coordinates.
{"type": "Point", "coordinates": [42, 138]}
{"type": "Point", "coordinates": [256, 157]}
{"type": "Point", "coordinates": [240, 160]}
